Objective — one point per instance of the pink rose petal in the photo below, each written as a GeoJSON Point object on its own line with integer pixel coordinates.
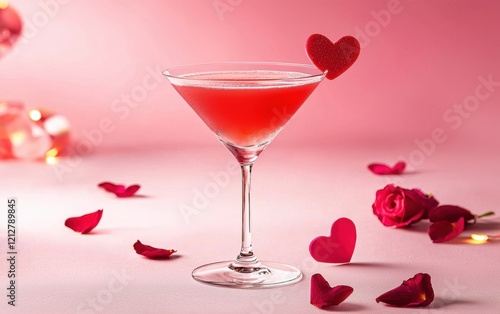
{"type": "Point", "coordinates": [84, 224]}
{"type": "Point", "coordinates": [120, 190]}
{"type": "Point", "coordinates": [416, 291]}
{"type": "Point", "coordinates": [152, 252]}
{"type": "Point", "coordinates": [322, 295]}
{"type": "Point", "coordinates": [383, 169]}
{"type": "Point", "coordinates": [443, 231]}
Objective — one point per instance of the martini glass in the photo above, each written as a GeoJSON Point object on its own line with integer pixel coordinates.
{"type": "Point", "coordinates": [245, 105]}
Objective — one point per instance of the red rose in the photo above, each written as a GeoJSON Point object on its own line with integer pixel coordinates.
{"type": "Point", "coordinates": [398, 207]}
{"type": "Point", "coordinates": [428, 201]}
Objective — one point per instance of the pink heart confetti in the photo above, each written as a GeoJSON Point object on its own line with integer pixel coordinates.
{"type": "Point", "coordinates": [335, 57]}
{"type": "Point", "coordinates": [339, 246]}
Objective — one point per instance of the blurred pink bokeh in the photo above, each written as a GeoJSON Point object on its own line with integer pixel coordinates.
{"type": "Point", "coordinates": [421, 65]}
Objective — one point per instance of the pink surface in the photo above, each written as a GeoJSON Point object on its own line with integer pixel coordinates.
{"type": "Point", "coordinates": [293, 203]}
{"type": "Point", "coordinates": [424, 90]}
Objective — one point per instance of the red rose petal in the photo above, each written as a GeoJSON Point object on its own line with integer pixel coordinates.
{"type": "Point", "coordinates": [335, 57]}
{"type": "Point", "coordinates": [382, 169]}
{"type": "Point", "coordinates": [120, 190]}
{"type": "Point", "coordinates": [84, 224]}
{"type": "Point", "coordinates": [450, 213]}
{"type": "Point", "coordinates": [443, 231]}
{"type": "Point", "coordinates": [322, 295]}
{"type": "Point", "coordinates": [416, 291]}
{"type": "Point", "coordinates": [152, 252]}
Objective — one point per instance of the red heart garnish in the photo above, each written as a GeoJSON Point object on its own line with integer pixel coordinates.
{"type": "Point", "coordinates": [323, 295]}
{"type": "Point", "coordinates": [335, 57]}
{"type": "Point", "coordinates": [339, 246]}
{"type": "Point", "coordinates": [383, 169]}
{"type": "Point", "coordinates": [119, 189]}
{"type": "Point", "coordinates": [84, 224]}
{"type": "Point", "coordinates": [152, 252]}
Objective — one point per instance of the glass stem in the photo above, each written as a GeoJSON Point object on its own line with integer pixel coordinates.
{"type": "Point", "coordinates": [246, 256]}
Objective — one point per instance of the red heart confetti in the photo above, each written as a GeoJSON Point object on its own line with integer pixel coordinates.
{"type": "Point", "coordinates": [335, 57]}
{"type": "Point", "coordinates": [84, 224]}
{"type": "Point", "coordinates": [416, 291]}
{"type": "Point", "coordinates": [382, 169]}
{"type": "Point", "coordinates": [152, 252]}
{"type": "Point", "coordinates": [120, 190]}
{"type": "Point", "coordinates": [339, 246]}
{"type": "Point", "coordinates": [322, 295]}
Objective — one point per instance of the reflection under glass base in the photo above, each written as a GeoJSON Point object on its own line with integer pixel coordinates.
{"type": "Point", "coordinates": [267, 274]}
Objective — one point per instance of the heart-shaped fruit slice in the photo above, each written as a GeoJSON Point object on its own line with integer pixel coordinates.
{"type": "Point", "coordinates": [335, 57]}
{"type": "Point", "coordinates": [339, 246]}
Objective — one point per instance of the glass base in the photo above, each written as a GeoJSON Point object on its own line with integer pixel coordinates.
{"type": "Point", "coordinates": [266, 275]}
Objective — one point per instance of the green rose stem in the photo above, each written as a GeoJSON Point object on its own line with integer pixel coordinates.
{"type": "Point", "coordinates": [476, 217]}
{"type": "Point", "coordinates": [486, 215]}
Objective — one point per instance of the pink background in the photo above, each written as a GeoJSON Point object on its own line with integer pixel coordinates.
{"type": "Point", "coordinates": [417, 66]}
{"type": "Point", "coordinates": [412, 69]}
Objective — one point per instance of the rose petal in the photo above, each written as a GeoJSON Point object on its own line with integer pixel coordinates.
{"type": "Point", "coordinates": [382, 169]}
{"type": "Point", "coordinates": [84, 224]}
{"type": "Point", "coordinates": [322, 295]}
{"type": "Point", "coordinates": [416, 291]}
{"type": "Point", "coordinates": [152, 252]}
{"type": "Point", "coordinates": [443, 231]}
{"type": "Point", "coordinates": [450, 213]}
{"type": "Point", "coordinates": [120, 190]}
{"type": "Point", "coordinates": [427, 201]}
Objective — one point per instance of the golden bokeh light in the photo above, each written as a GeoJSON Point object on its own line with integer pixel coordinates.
{"type": "Point", "coordinates": [35, 115]}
